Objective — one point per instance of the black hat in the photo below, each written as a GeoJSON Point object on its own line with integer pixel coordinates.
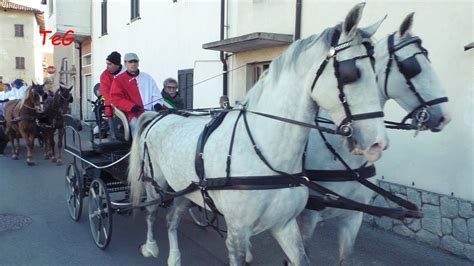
{"type": "Point", "coordinates": [114, 58]}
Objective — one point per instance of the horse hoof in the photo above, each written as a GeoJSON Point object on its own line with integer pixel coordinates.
{"type": "Point", "coordinates": [30, 163]}
{"type": "Point", "coordinates": [146, 252]}
{"type": "Point", "coordinates": [53, 160]}
{"type": "Point", "coordinates": [15, 157]}
{"type": "Point", "coordinates": [59, 163]}
{"type": "Point", "coordinates": [46, 157]}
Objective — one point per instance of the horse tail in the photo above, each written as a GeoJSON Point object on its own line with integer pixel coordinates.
{"type": "Point", "coordinates": [137, 187]}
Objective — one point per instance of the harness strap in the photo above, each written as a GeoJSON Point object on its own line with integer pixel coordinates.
{"type": "Point", "coordinates": [427, 104]}
{"type": "Point", "coordinates": [401, 202]}
{"type": "Point", "coordinates": [340, 175]}
{"type": "Point", "coordinates": [23, 118]}
{"type": "Point", "coordinates": [231, 147]}
{"type": "Point", "coordinates": [319, 203]}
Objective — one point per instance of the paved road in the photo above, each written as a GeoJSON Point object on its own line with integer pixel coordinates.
{"type": "Point", "coordinates": [50, 237]}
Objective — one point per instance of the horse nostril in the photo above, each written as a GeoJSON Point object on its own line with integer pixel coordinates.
{"type": "Point", "coordinates": [377, 147]}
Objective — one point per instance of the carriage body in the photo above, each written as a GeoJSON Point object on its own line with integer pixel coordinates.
{"type": "Point", "coordinates": [98, 172]}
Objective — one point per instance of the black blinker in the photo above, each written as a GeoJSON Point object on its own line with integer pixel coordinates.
{"type": "Point", "coordinates": [410, 67]}
{"type": "Point", "coordinates": [348, 71]}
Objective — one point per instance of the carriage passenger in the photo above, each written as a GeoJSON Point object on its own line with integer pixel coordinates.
{"type": "Point", "coordinates": [134, 92]}
{"type": "Point", "coordinates": [19, 89]}
{"type": "Point", "coordinates": [171, 95]}
{"type": "Point", "coordinates": [5, 96]}
{"type": "Point", "coordinates": [113, 68]}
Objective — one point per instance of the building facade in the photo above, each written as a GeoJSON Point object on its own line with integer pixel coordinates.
{"type": "Point", "coordinates": [20, 42]}
{"type": "Point", "coordinates": [168, 38]}
{"type": "Point", "coordinates": [72, 22]}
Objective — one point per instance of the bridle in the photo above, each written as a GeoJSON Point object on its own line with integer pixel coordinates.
{"type": "Point", "coordinates": [64, 104]}
{"type": "Point", "coordinates": [409, 68]}
{"type": "Point", "coordinates": [34, 91]}
{"type": "Point", "coordinates": [346, 72]}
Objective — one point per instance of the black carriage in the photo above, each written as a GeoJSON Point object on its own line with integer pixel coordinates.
{"type": "Point", "coordinates": [98, 171]}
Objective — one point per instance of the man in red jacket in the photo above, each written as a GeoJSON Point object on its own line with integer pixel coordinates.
{"type": "Point", "coordinates": [134, 92]}
{"type": "Point", "coordinates": [113, 68]}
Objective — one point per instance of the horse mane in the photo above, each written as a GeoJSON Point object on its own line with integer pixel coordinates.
{"type": "Point", "coordinates": [286, 59]}
{"type": "Point", "coordinates": [27, 95]}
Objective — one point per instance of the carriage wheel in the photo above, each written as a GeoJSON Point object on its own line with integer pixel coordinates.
{"type": "Point", "coordinates": [73, 186]}
{"type": "Point", "coordinates": [198, 214]}
{"type": "Point", "coordinates": [100, 213]}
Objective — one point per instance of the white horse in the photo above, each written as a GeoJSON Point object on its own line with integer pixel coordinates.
{"type": "Point", "coordinates": [288, 90]}
{"type": "Point", "coordinates": [318, 157]}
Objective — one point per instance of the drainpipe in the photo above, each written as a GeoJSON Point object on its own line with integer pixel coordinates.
{"type": "Point", "coordinates": [298, 20]}
{"type": "Point", "coordinates": [223, 57]}
{"type": "Point", "coordinates": [78, 45]}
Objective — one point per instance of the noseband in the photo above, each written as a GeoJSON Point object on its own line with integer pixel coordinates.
{"type": "Point", "coordinates": [410, 68]}
{"type": "Point", "coordinates": [346, 72]}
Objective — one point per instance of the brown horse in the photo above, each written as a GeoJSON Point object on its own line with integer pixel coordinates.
{"type": "Point", "coordinates": [20, 117]}
{"type": "Point", "coordinates": [52, 119]}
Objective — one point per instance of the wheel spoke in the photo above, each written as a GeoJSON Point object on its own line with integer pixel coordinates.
{"type": "Point", "coordinates": [105, 233]}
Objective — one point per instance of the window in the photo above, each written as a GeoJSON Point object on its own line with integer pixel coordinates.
{"type": "Point", "coordinates": [20, 62]}
{"type": "Point", "coordinates": [104, 17]}
{"type": "Point", "coordinates": [86, 60]}
{"type": "Point", "coordinates": [185, 83]}
{"type": "Point", "coordinates": [254, 72]}
{"type": "Point", "coordinates": [19, 30]}
{"type": "Point", "coordinates": [135, 8]}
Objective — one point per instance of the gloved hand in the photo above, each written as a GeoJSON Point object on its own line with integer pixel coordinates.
{"type": "Point", "coordinates": [157, 107]}
{"type": "Point", "coordinates": [136, 108]}
{"type": "Point", "coordinates": [4, 101]}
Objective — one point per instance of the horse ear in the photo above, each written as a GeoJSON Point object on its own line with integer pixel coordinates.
{"type": "Point", "coordinates": [70, 88]}
{"type": "Point", "coordinates": [349, 26]}
{"type": "Point", "coordinates": [369, 31]}
{"type": "Point", "coordinates": [405, 27]}
{"type": "Point", "coordinates": [33, 83]}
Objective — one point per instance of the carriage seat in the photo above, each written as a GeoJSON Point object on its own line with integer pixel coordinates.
{"type": "Point", "coordinates": [73, 122]}
{"type": "Point", "coordinates": [121, 127]}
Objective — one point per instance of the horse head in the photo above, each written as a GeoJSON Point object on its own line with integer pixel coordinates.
{"type": "Point", "coordinates": [407, 76]}
{"type": "Point", "coordinates": [64, 97]}
{"type": "Point", "coordinates": [347, 89]}
{"type": "Point", "coordinates": [35, 97]}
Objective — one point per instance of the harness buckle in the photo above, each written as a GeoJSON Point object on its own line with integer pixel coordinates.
{"type": "Point", "coordinates": [331, 53]}
{"type": "Point", "coordinates": [346, 130]}
{"type": "Point", "coordinates": [331, 196]}
{"type": "Point", "coordinates": [202, 184]}
{"type": "Point", "coordinates": [422, 115]}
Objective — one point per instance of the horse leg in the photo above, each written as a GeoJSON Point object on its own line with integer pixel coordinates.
{"type": "Point", "coordinates": [347, 234]}
{"type": "Point", "coordinates": [60, 146]}
{"type": "Point", "coordinates": [180, 205]}
{"type": "Point", "coordinates": [150, 248]}
{"type": "Point", "coordinates": [53, 149]}
{"type": "Point", "coordinates": [238, 244]}
{"type": "Point", "coordinates": [289, 238]}
{"type": "Point", "coordinates": [14, 149]}
{"type": "Point", "coordinates": [17, 150]}
{"type": "Point", "coordinates": [46, 144]}
{"type": "Point", "coordinates": [307, 222]}
{"type": "Point", "coordinates": [30, 142]}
